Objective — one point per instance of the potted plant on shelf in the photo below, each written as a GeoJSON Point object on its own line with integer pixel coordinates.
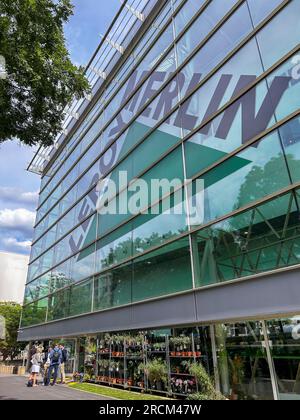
{"type": "Point", "coordinates": [207, 389]}
{"type": "Point", "coordinates": [157, 347]}
{"type": "Point", "coordinates": [180, 345]}
{"type": "Point", "coordinates": [237, 375]}
{"type": "Point", "coordinates": [129, 382]}
{"type": "Point", "coordinates": [186, 342]}
{"type": "Point", "coordinates": [157, 373]}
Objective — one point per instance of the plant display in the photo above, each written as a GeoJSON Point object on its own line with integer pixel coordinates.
{"type": "Point", "coordinates": [237, 374]}
{"type": "Point", "coordinates": [180, 343]}
{"type": "Point", "coordinates": [181, 385]}
{"type": "Point", "coordinates": [157, 372]}
{"type": "Point", "coordinates": [103, 364]}
{"type": "Point", "coordinates": [217, 396]}
{"type": "Point", "coordinates": [160, 363]}
{"type": "Point", "coordinates": [205, 383]}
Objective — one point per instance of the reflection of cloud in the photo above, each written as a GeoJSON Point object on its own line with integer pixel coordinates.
{"type": "Point", "coordinates": [15, 195]}
{"type": "Point", "coordinates": [13, 244]}
{"type": "Point", "coordinates": [19, 219]}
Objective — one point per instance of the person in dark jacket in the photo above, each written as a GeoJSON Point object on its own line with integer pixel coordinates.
{"type": "Point", "coordinates": [47, 363]}
{"type": "Point", "coordinates": [55, 357]}
{"type": "Point", "coordinates": [64, 359]}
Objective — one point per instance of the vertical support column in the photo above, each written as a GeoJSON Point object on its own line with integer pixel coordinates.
{"type": "Point", "coordinates": [222, 360]}
{"type": "Point", "coordinates": [76, 355]}
{"type": "Point", "coordinates": [196, 267]}
{"type": "Point", "coordinates": [93, 292]}
{"type": "Point", "coordinates": [146, 344]}
{"type": "Point", "coordinates": [215, 358]}
{"type": "Point", "coordinates": [97, 358]}
{"type": "Point", "coordinates": [125, 363]}
{"type": "Point", "coordinates": [168, 363]}
{"type": "Point", "coordinates": [194, 360]}
{"type": "Point", "coordinates": [270, 362]}
{"type": "Point", "coordinates": [28, 356]}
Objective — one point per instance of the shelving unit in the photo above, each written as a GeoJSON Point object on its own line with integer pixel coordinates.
{"type": "Point", "coordinates": [121, 361]}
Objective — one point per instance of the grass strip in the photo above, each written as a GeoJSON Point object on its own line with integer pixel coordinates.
{"type": "Point", "coordinates": [113, 392]}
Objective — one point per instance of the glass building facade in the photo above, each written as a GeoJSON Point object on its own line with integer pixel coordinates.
{"type": "Point", "coordinates": [198, 90]}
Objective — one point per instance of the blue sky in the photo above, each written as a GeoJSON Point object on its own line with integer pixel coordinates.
{"type": "Point", "coordinates": [19, 188]}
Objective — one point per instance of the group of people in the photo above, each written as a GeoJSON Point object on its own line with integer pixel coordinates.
{"type": "Point", "coordinates": [51, 362]}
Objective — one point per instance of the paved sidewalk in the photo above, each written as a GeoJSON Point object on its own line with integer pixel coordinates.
{"type": "Point", "coordinates": [14, 388]}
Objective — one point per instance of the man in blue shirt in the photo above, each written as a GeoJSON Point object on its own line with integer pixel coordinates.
{"type": "Point", "coordinates": [55, 357]}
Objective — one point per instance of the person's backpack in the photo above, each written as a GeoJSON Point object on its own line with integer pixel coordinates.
{"type": "Point", "coordinates": [29, 383]}
{"type": "Point", "coordinates": [55, 356]}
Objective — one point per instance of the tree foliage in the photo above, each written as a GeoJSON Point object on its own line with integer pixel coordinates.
{"type": "Point", "coordinates": [10, 347]}
{"type": "Point", "coordinates": [41, 79]}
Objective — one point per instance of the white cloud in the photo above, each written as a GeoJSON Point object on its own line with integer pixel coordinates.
{"type": "Point", "coordinates": [30, 197]}
{"type": "Point", "coordinates": [13, 244]}
{"type": "Point", "coordinates": [17, 219]}
{"type": "Point", "coordinates": [18, 196]}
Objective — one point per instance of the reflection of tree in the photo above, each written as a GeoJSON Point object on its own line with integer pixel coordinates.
{"type": "Point", "coordinates": [80, 298]}
{"type": "Point", "coordinates": [127, 248]}
{"type": "Point", "coordinates": [58, 280]}
{"type": "Point", "coordinates": [58, 305]}
{"type": "Point", "coordinates": [34, 292]}
{"type": "Point", "coordinates": [225, 248]}
{"type": "Point", "coordinates": [114, 287]}
{"type": "Point", "coordinates": [35, 313]}
{"type": "Point", "coordinates": [43, 287]}
{"type": "Point", "coordinates": [262, 181]}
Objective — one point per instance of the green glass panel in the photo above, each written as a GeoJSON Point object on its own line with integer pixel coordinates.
{"type": "Point", "coordinates": [37, 289]}
{"type": "Point", "coordinates": [35, 313]}
{"type": "Point", "coordinates": [60, 277]}
{"type": "Point", "coordinates": [169, 169]}
{"type": "Point", "coordinates": [163, 272]}
{"type": "Point", "coordinates": [113, 288]}
{"type": "Point", "coordinates": [151, 230]}
{"type": "Point", "coordinates": [83, 264]}
{"type": "Point", "coordinates": [261, 239]}
{"type": "Point", "coordinates": [149, 152]}
{"type": "Point", "coordinates": [290, 136]}
{"type": "Point", "coordinates": [58, 307]}
{"type": "Point", "coordinates": [249, 176]}
{"type": "Point", "coordinates": [114, 248]}
{"type": "Point", "coordinates": [81, 298]}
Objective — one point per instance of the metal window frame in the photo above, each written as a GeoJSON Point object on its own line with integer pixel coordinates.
{"type": "Point", "coordinates": [290, 189]}
{"type": "Point", "coordinates": [159, 298]}
{"type": "Point", "coordinates": [172, 77]}
{"type": "Point", "coordinates": [101, 110]}
{"type": "Point", "coordinates": [191, 231]}
{"type": "Point", "coordinates": [228, 57]}
{"type": "Point", "coordinates": [181, 142]}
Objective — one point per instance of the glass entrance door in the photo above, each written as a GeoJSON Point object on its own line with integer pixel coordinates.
{"type": "Point", "coordinates": [284, 341]}
{"type": "Point", "coordinates": [243, 361]}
